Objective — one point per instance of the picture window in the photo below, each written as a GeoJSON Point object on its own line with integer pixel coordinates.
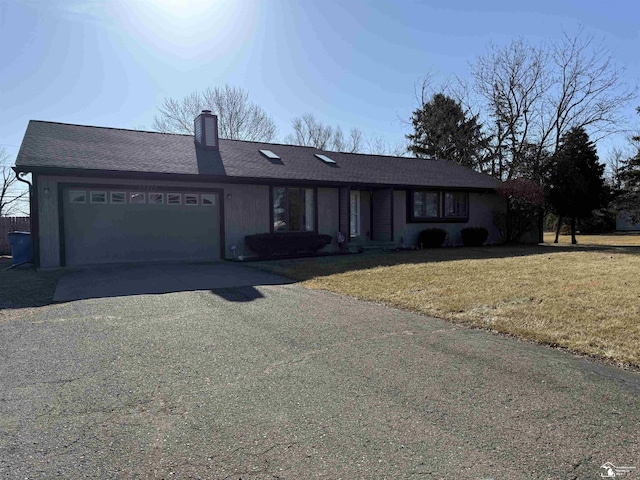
{"type": "Point", "coordinates": [293, 209]}
{"type": "Point", "coordinates": [438, 205]}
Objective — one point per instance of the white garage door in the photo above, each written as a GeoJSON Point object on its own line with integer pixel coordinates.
{"type": "Point", "coordinates": [121, 225]}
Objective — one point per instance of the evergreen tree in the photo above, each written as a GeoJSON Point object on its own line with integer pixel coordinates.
{"type": "Point", "coordinates": [442, 130]}
{"type": "Point", "coordinates": [576, 183]}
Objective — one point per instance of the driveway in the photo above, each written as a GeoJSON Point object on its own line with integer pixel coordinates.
{"type": "Point", "coordinates": [280, 382]}
{"type": "Point", "coordinates": [152, 278]}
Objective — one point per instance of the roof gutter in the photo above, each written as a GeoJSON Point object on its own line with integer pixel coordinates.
{"type": "Point", "coordinates": [33, 217]}
{"type": "Point", "coordinates": [227, 179]}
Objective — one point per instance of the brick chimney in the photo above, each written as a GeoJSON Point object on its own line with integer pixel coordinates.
{"type": "Point", "coordinates": [206, 130]}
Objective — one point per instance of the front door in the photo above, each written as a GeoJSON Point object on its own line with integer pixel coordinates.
{"type": "Point", "coordinates": [354, 222]}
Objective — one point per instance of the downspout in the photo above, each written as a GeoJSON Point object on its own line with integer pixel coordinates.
{"type": "Point", "coordinates": [33, 230]}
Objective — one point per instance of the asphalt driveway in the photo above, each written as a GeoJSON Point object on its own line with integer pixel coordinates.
{"type": "Point", "coordinates": [266, 382]}
{"type": "Point", "coordinates": [152, 278]}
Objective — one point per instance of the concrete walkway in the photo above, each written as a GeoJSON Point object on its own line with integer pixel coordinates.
{"type": "Point", "coordinates": [148, 278]}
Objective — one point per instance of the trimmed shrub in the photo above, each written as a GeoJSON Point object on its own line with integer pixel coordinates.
{"type": "Point", "coordinates": [270, 244]}
{"type": "Point", "coordinates": [431, 238]}
{"type": "Point", "coordinates": [474, 236]}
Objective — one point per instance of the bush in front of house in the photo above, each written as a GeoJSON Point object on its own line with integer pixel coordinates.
{"type": "Point", "coordinates": [474, 236]}
{"type": "Point", "coordinates": [270, 244]}
{"type": "Point", "coordinates": [431, 238]}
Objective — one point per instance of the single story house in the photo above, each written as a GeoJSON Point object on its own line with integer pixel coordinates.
{"type": "Point", "coordinates": [109, 195]}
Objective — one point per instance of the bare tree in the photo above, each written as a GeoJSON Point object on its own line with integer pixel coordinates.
{"type": "Point", "coordinates": [614, 164]}
{"type": "Point", "coordinates": [355, 139]}
{"type": "Point", "coordinates": [308, 131]}
{"type": "Point", "coordinates": [512, 81]}
{"type": "Point", "coordinates": [377, 145]}
{"type": "Point", "coordinates": [11, 193]}
{"type": "Point", "coordinates": [533, 95]}
{"type": "Point", "coordinates": [238, 117]}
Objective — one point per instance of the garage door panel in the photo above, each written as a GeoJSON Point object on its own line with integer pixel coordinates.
{"type": "Point", "coordinates": [107, 233]}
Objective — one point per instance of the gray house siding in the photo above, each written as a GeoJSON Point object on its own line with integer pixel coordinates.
{"type": "Point", "coordinates": [246, 213]}
{"type": "Point", "coordinates": [365, 214]}
{"type": "Point", "coordinates": [343, 213]}
{"type": "Point", "coordinates": [49, 233]}
{"type": "Point", "coordinates": [328, 224]}
{"type": "Point", "coordinates": [481, 207]}
{"type": "Point", "coordinates": [246, 210]}
{"type": "Point", "coordinates": [382, 205]}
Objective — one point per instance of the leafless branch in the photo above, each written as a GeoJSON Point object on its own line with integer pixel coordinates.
{"type": "Point", "coordinates": [238, 117]}
{"type": "Point", "coordinates": [12, 195]}
{"type": "Point", "coordinates": [311, 132]}
{"type": "Point", "coordinates": [532, 95]}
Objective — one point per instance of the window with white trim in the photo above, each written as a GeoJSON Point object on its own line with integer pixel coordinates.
{"type": "Point", "coordinates": [156, 198]}
{"type": "Point", "coordinates": [77, 196]}
{"type": "Point", "coordinates": [174, 199]}
{"type": "Point", "coordinates": [208, 199]}
{"type": "Point", "coordinates": [98, 197]}
{"type": "Point", "coordinates": [118, 197]}
{"type": "Point", "coordinates": [191, 199]}
{"type": "Point", "coordinates": [354, 207]}
{"type": "Point", "coordinates": [137, 198]}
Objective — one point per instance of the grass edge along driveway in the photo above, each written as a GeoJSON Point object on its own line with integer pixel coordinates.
{"type": "Point", "coordinates": [584, 299]}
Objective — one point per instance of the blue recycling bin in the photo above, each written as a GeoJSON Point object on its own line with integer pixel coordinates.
{"type": "Point", "coordinates": [20, 243]}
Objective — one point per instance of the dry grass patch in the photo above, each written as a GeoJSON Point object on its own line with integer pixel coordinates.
{"type": "Point", "coordinates": [610, 239]}
{"type": "Point", "coordinates": [20, 288]}
{"type": "Point", "coordinates": [584, 300]}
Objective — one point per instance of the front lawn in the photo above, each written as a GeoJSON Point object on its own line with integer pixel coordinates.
{"type": "Point", "coordinates": [604, 239]}
{"type": "Point", "coordinates": [24, 287]}
{"type": "Point", "coordinates": [583, 299]}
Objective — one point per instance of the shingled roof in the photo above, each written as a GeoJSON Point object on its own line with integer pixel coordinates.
{"type": "Point", "coordinates": [50, 146]}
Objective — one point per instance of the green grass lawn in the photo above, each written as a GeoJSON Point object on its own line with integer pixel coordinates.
{"type": "Point", "coordinates": [586, 299]}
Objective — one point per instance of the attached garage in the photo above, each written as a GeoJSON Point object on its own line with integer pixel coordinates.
{"type": "Point", "coordinates": [110, 195]}
{"type": "Point", "coordinates": [110, 225]}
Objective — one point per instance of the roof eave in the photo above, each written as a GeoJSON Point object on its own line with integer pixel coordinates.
{"type": "Point", "coordinates": [84, 172]}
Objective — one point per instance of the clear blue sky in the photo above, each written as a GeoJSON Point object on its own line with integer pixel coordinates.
{"type": "Point", "coordinates": [350, 62]}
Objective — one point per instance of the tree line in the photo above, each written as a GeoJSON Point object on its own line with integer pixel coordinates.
{"type": "Point", "coordinates": [241, 119]}
{"type": "Point", "coordinates": [528, 114]}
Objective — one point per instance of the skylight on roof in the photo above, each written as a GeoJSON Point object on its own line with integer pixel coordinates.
{"type": "Point", "coordinates": [270, 154]}
{"type": "Point", "coordinates": [324, 158]}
